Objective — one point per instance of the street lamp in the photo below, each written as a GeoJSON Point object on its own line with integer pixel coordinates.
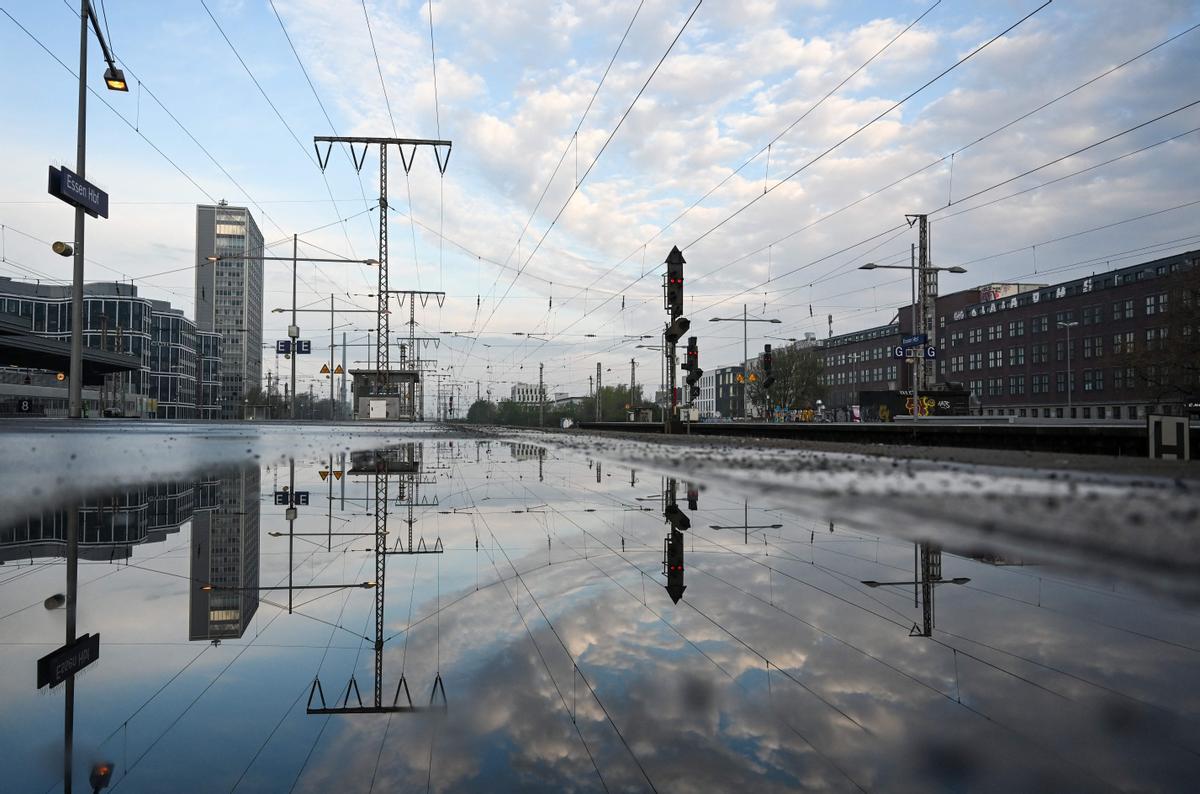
{"type": "Point", "coordinates": [915, 270]}
{"type": "Point", "coordinates": [294, 328]}
{"type": "Point", "coordinates": [1070, 372]}
{"type": "Point", "coordinates": [115, 80]}
{"type": "Point", "coordinates": [745, 319]}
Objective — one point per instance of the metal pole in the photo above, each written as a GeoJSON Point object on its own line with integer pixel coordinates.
{"type": "Point", "coordinates": [294, 329]}
{"type": "Point", "coordinates": [599, 394]}
{"type": "Point", "coordinates": [917, 363]}
{"type": "Point", "coordinates": [745, 357]}
{"type": "Point", "coordinates": [75, 392]}
{"type": "Point", "coordinates": [632, 383]}
{"type": "Point", "coordinates": [541, 398]}
{"type": "Point", "coordinates": [332, 402]}
{"type": "Point", "coordinates": [1070, 376]}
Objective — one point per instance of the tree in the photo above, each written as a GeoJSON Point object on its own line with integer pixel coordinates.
{"type": "Point", "coordinates": [797, 384]}
{"type": "Point", "coordinates": [1166, 363]}
{"type": "Point", "coordinates": [482, 412]}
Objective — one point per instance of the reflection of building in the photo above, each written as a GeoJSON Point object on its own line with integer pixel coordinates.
{"type": "Point", "coordinates": [110, 525]}
{"type": "Point", "coordinates": [229, 296]}
{"type": "Point", "coordinates": [225, 557]}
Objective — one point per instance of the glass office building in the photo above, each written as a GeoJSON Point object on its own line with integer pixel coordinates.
{"type": "Point", "coordinates": [229, 295]}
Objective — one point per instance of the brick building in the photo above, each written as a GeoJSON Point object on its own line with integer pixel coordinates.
{"type": "Point", "coordinates": [1031, 350]}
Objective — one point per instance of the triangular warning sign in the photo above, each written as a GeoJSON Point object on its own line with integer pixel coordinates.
{"type": "Point", "coordinates": [324, 475]}
{"type": "Point", "coordinates": [339, 370]}
{"type": "Point", "coordinates": [337, 475]}
{"type": "Point", "coordinates": [324, 369]}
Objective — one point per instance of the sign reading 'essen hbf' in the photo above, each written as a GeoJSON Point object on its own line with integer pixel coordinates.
{"type": "Point", "coordinates": [57, 666]}
{"type": "Point", "coordinates": [73, 189]}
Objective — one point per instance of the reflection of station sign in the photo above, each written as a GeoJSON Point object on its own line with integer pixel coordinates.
{"type": "Point", "coordinates": [57, 666]}
{"type": "Point", "coordinates": [65, 184]}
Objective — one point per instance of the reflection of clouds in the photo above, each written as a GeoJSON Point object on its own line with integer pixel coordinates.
{"type": "Point", "coordinates": [690, 725]}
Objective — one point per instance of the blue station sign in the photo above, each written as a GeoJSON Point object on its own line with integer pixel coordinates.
{"type": "Point", "coordinates": [915, 340]}
{"type": "Point", "coordinates": [65, 184]}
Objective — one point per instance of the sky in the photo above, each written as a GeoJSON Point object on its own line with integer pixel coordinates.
{"type": "Point", "coordinates": [778, 143]}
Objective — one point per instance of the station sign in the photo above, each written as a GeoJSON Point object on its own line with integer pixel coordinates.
{"type": "Point", "coordinates": [286, 498]}
{"type": "Point", "coordinates": [303, 347]}
{"type": "Point", "coordinates": [924, 351]}
{"type": "Point", "coordinates": [914, 340]}
{"type": "Point", "coordinates": [59, 665]}
{"type": "Point", "coordinates": [283, 346]}
{"type": "Point", "coordinates": [68, 186]}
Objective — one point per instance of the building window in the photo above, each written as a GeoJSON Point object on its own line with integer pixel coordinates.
{"type": "Point", "coordinates": [1091, 315]}
{"type": "Point", "coordinates": [976, 387]}
{"type": "Point", "coordinates": [995, 387]}
{"type": "Point", "coordinates": [1093, 380]}
{"type": "Point", "coordinates": [995, 358]}
{"type": "Point", "coordinates": [995, 332]}
{"type": "Point", "coordinates": [1040, 324]}
{"type": "Point", "coordinates": [1093, 346]}
{"type": "Point", "coordinates": [1016, 356]}
{"type": "Point", "coordinates": [975, 361]}
{"type": "Point", "coordinates": [1123, 343]}
{"type": "Point", "coordinates": [1016, 328]}
{"type": "Point", "coordinates": [1123, 310]}
{"type": "Point", "coordinates": [1040, 353]}
{"type": "Point", "coordinates": [975, 335]}
{"type": "Point", "coordinates": [1156, 303]}
{"type": "Point", "coordinates": [1064, 317]}
{"type": "Point", "coordinates": [1016, 385]}
{"type": "Point", "coordinates": [956, 364]}
{"type": "Point", "coordinates": [1041, 384]}
{"type": "Point", "coordinates": [1060, 382]}
{"type": "Point", "coordinates": [1060, 351]}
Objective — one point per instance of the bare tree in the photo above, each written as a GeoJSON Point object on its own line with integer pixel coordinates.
{"type": "Point", "coordinates": [797, 385]}
{"type": "Point", "coordinates": [1165, 364]}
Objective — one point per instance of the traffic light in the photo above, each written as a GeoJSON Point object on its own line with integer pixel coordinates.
{"type": "Point", "coordinates": [677, 329]}
{"type": "Point", "coordinates": [693, 496]}
{"type": "Point", "coordinates": [675, 262]}
{"type": "Point", "coordinates": [767, 361]}
{"type": "Point", "coordinates": [692, 359]}
{"type": "Point", "coordinates": [694, 392]}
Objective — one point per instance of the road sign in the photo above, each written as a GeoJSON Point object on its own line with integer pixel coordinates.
{"type": "Point", "coordinates": [339, 370]}
{"type": "Point", "coordinates": [303, 347]}
{"type": "Point", "coordinates": [65, 184]}
{"type": "Point", "coordinates": [914, 340]}
{"type": "Point", "coordinates": [324, 369]}
{"type": "Point", "coordinates": [57, 666]}
{"type": "Point", "coordinates": [324, 474]}
{"type": "Point", "coordinates": [283, 346]}
{"type": "Point", "coordinates": [337, 475]}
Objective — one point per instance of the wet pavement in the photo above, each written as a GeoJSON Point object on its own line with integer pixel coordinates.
{"type": "Point", "coordinates": [588, 616]}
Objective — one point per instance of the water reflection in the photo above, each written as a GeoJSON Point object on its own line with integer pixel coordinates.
{"type": "Point", "coordinates": [537, 602]}
{"type": "Point", "coordinates": [223, 587]}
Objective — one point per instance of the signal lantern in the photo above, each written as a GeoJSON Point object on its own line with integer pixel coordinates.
{"type": "Point", "coordinates": [674, 285]}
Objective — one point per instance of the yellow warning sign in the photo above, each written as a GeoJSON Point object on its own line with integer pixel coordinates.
{"type": "Point", "coordinates": [337, 475]}
{"type": "Point", "coordinates": [324, 475]}
{"type": "Point", "coordinates": [324, 369]}
{"type": "Point", "coordinates": [339, 370]}
{"type": "Point", "coordinates": [753, 378]}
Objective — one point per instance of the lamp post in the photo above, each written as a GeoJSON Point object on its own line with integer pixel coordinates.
{"type": "Point", "coordinates": [1070, 372]}
{"type": "Point", "coordinates": [114, 79]}
{"type": "Point", "coordinates": [745, 320]}
{"type": "Point", "coordinates": [294, 329]}
{"type": "Point", "coordinates": [917, 272]}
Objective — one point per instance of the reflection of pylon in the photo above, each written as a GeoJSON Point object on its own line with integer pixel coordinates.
{"type": "Point", "coordinates": [406, 461]}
